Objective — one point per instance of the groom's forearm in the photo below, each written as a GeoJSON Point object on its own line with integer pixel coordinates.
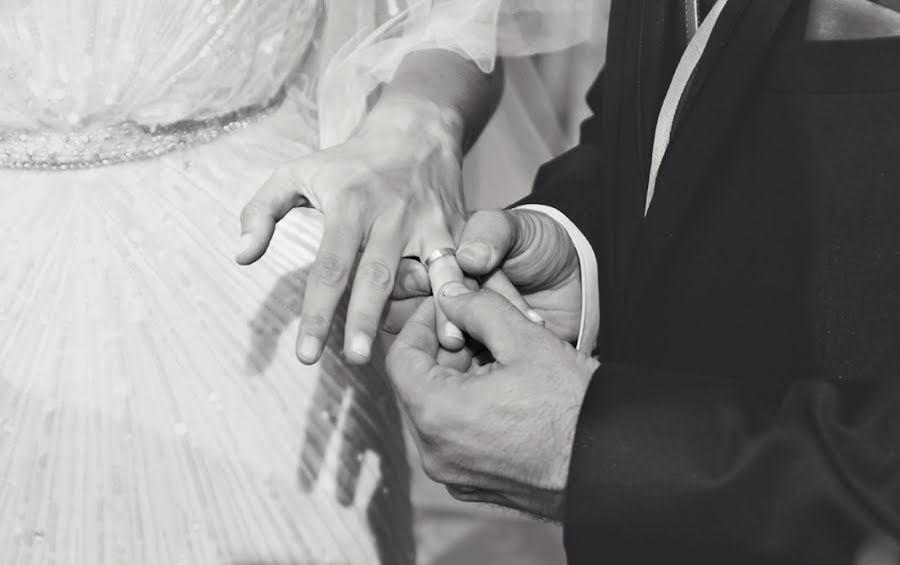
{"type": "Point", "coordinates": [438, 91]}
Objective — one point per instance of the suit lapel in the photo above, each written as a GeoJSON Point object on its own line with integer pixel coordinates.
{"type": "Point", "coordinates": [616, 154]}
{"type": "Point", "coordinates": [630, 93]}
{"type": "Point", "coordinates": [736, 48]}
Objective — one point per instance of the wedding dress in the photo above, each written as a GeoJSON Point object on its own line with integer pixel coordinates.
{"type": "Point", "coordinates": [152, 410]}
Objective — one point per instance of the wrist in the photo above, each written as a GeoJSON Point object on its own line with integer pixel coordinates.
{"type": "Point", "coordinates": [419, 119]}
{"type": "Point", "coordinates": [568, 421]}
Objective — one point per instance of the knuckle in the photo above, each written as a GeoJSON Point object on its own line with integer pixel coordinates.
{"type": "Point", "coordinates": [434, 467]}
{"type": "Point", "coordinates": [329, 270]}
{"type": "Point", "coordinates": [315, 324]}
{"type": "Point", "coordinates": [405, 283]}
{"type": "Point", "coordinates": [487, 216]}
{"type": "Point", "coordinates": [430, 416]}
{"type": "Point", "coordinates": [391, 326]}
{"type": "Point", "coordinates": [251, 210]}
{"type": "Point", "coordinates": [287, 177]}
{"type": "Point", "coordinates": [365, 323]}
{"type": "Point", "coordinates": [354, 197]}
{"type": "Point", "coordinates": [430, 215]}
{"type": "Point", "coordinates": [377, 275]}
{"type": "Point", "coordinates": [423, 416]}
{"type": "Point", "coordinates": [282, 174]}
{"type": "Point", "coordinates": [355, 190]}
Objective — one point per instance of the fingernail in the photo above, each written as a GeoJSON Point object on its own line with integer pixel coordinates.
{"type": "Point", "coordinates": [476, 253]}
{"type": "Point", "coordinates": [361, 345]}
{"type": "Point", "coordinates": [309, 349]}
{"type": "Point", "coordinates": [452, 331]}
{"type": "Point", "coordinates": [535, 317]}
{"type": "Point", "coordinates": [453, 289]}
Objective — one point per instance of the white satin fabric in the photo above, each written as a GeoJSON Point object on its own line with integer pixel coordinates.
{"type": "Point", "coordinates": [151, 406]}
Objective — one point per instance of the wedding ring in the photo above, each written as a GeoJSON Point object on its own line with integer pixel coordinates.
{"type": "Point", "coordinates": [437, 254]}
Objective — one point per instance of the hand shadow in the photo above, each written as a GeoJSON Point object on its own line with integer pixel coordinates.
{"type": "Point", "coordinates": [371, 419]}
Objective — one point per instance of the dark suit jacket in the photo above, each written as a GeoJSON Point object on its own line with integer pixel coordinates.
{"type": "Point", "coordinates": [747, 409]}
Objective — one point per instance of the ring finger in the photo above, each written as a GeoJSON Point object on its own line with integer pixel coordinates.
{"type": "Point", "coordinates": [441, 271]}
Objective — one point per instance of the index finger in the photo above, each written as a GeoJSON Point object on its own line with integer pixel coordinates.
{"type": "Point", "coordinates": [413, 354]}
{"type": "Point", "coordinates": [489, 319]}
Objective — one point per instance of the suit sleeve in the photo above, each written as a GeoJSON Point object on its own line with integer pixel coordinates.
{"type": "Point", "coordinates": [572, 184]}
{"type": "Point", "coordinates": [675, 468]}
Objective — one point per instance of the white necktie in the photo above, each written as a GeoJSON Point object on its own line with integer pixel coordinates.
{"type": "Point", "coordinates": [677, 87]}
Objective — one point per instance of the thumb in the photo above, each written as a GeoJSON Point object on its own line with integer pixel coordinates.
{"type": "Point", "coordinates": [485, 241]}
{"type": "Point", "coordinates": [271, 203]}
{"type": "Point", "coordinates": [487, 317]}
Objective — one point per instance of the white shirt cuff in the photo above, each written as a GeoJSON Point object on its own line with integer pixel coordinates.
{"type": "Point", "coordinates": [590, 281]}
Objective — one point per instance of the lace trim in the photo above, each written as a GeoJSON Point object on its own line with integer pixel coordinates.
{"type": "Point", "coordinates": [128, 141]}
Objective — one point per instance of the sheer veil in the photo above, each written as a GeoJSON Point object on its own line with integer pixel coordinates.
{"type": "Point", "coordinates": [364, 42]}
{"type": "Point", "coordinates": [538, 118]}
{"type": "Point", "coordinates": [553, 49]}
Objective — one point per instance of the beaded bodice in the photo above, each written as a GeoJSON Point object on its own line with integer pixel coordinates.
{"type": "Point", "coordinates": [118, 79]}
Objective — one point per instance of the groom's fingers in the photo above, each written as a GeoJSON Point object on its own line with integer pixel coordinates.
{"type": "Point", "coordinates": [489, 319]}
{"type": "Point", "coordinates": [398, 312]}
{"type": "Point", "coordinates": [413, 355]}
{"type": "Point", "coordinates": [499, 283]}
{"type": "Point", "coordinates": [412, 280]}
{"type": "Point", "coordinates": [271, 203]}
{"type": "Point", "coordinates": [486, 239]}
{"type": "Point", "coordinates": [442, 271]}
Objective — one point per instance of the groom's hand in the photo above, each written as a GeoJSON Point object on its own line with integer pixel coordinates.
{"type": "Point", "coordinates": [499, 433]}
{"type": "Point", "coordinates": [519, 254]}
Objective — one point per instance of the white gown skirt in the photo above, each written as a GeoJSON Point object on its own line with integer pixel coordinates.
{"type": "Point", "coordinates": [152, 410]}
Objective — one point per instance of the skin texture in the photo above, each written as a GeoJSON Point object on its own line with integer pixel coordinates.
{"type": "Point", "coordinates": [499, 432]}
{"type": "Point", "coordinates": [508, 252]}
{"type": "Point", "coordinates": [495, 421]}
{"type": "Point", "coordinates": [393, 190]}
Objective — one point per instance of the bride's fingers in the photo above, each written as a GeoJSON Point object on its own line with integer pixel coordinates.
{"type": "Point", "coordinates": [412, 280]}
{"type": "Point", "coordinates": [499, 283]}
{"type": "Point", "coordinates": [442, 271]}
{"type": "Point", "coordinates": [274, 199]}
{"type": "Point", "coordinates": [325, 285]}
{"type": "Point", "coordinates": [399, 311]}
{"type": "Point", "coordinates": [372, 285]}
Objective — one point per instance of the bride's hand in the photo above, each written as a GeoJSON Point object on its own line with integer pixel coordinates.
{"type": "Point", "coordinates": [391, 191]}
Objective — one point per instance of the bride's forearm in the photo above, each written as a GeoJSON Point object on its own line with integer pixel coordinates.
{"type": "Point", "coordinates": [439, 92]}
